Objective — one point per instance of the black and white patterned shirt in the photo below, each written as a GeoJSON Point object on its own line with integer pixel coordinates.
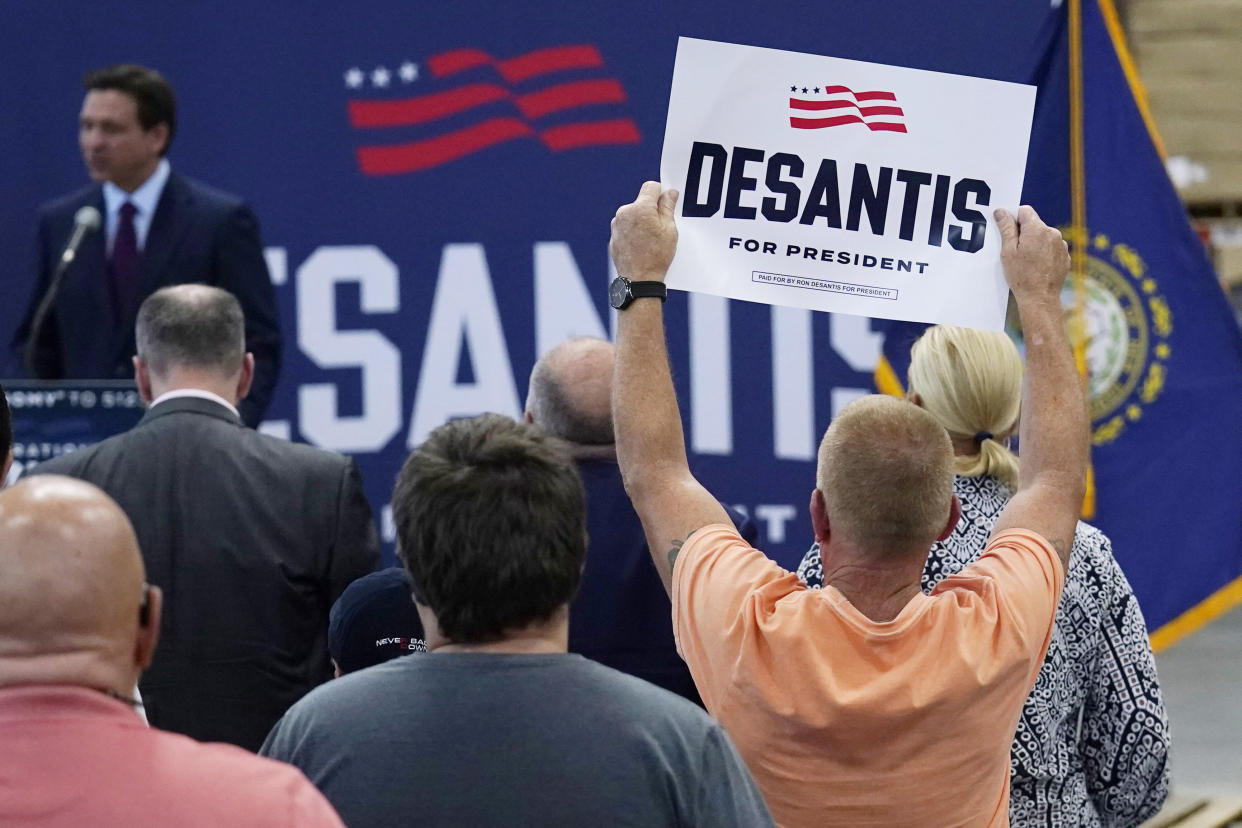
{"type": "Point", "coordinates": [1093, 742]}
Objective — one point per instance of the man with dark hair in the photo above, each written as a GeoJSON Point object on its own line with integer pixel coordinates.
{"type": "Point", "coordinates": [621, 616]}
{"type": "Point", "coordinates": [498, 724]}
{"type": "Point", "coordinates": [77, 626]}
{"type": "Point", "coordinates": [251, 537]}
{"type": "Point", "coordinates": [158, 228]}
{"type": "Point", "coordinates": [866, 702]}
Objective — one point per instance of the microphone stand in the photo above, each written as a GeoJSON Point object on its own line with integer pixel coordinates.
{"type": "Point", "coordinates": [80, 229]}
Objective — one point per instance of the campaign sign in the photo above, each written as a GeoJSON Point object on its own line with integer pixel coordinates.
{"type": "Point", "coordinates": [839, 185]}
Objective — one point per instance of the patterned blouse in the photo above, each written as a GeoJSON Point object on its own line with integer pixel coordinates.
{"type": "Point", "coordinates": [1093, 742]}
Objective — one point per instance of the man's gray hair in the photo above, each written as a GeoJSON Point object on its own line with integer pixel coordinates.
{"type": "Point", "coordinates": [191, 326]}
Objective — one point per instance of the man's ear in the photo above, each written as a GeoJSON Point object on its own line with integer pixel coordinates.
{"type": "Point", "coordinates": [149, 628]}
{"type": "Point", "coordinates": [819, 517]}
{"type": "Point", "coordinates": [955, 514]}
{"type": "Point", "coordinates": [246, 377]}
{"type": "Point", "coordinates": [142, 377]}
{"type": "Point", "coordinates": [157, 138]}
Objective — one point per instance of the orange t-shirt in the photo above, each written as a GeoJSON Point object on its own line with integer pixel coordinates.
{"type": "Point", "coordinates": [846, 721]}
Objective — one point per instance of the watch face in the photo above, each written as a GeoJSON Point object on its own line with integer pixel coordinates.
{"type": "Point", "coordinates": [619, 292]}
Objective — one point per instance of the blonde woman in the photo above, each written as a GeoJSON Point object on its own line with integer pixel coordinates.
{"type": "Point", "coordinates": [1091, 747]}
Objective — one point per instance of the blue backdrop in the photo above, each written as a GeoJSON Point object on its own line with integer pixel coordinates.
{"type": "Point", "coordinates": [421, 281]}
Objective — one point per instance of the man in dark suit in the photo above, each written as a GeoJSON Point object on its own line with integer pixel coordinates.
{"type": "Point", "coordinates": [158, 228]}
{"type": "Point", "coordinates": [621, 616]}
{"type": "Point", "coordinates": [251, 538]}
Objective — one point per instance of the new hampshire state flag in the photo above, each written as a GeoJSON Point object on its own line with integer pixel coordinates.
{"type": "Point", "coordinates": [1163, 352]}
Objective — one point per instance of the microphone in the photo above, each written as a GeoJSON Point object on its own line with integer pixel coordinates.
{"type": "Point", "coordinates": [85, 220]}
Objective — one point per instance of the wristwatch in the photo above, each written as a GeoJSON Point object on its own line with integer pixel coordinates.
{"type": "Point", "coordinates": [622, 292]}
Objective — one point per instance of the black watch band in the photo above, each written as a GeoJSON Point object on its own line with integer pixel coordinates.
{"type": "Point", "coordinates": [622, 292]}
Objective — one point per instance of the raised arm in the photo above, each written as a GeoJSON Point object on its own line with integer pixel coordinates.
{"type": "Point", "coordinates": [1053, 429]}
{"type": "Point", "coordinates": [651, 448]}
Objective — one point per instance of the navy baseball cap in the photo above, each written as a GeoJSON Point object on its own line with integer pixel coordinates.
{"type": "Point", "coordinates": [374, 620]}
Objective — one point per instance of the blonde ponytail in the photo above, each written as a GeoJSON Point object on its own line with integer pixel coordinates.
{"type": "Point", "coordinates": [971, 383]}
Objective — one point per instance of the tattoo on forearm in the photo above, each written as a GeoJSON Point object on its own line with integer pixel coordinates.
{"type": "Point", "coordinates": [675, 549]}
{"type": "Point", "coordinates": [673, 552]}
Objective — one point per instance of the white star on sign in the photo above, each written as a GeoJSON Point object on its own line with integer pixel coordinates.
{"type": "Point", "coordinates": [380, 77]}
{"type": "Point", "coordinates": [408, 72]}
{"type": "Point", "coordinates": [354, 78]}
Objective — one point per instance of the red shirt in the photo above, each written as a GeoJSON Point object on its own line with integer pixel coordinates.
{"type": "Point", "coordinates": [72, 757]}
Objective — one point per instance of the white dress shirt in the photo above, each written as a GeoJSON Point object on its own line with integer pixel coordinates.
{"type": "Point", "coordinates": [193, 392]}
{"type": "Point", "coordinates": [145, 199]}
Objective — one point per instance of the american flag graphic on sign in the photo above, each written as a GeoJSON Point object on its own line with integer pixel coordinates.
{"type": "Point", "coordinates": [840, 105]}
{"type": "Point", "coordinates": [474, 101]}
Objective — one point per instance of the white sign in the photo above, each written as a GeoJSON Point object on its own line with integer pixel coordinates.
{"type": "Point", "coordinates": [843, 186]}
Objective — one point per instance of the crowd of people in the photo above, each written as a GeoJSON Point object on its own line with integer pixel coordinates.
{"type": "Point", "coordinates": [194, 629]}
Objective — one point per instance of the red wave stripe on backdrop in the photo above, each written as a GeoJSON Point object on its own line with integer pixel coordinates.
{"type": "Point", "coordinates": [413, 156]}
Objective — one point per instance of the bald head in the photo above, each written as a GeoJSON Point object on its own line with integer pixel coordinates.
{"type": "Point", "coordinates": [570, 393]}
{"type": "Point", "coordinates": [886, 474]}
{"type": "Point", "coordinates": [72, 588]}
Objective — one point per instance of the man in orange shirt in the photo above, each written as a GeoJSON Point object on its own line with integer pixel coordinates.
{"type": "Point", "coordinates": [866, 703]}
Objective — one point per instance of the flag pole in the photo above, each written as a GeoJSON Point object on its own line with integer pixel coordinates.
{"type": "Point", "coordinates": [1078, 220]}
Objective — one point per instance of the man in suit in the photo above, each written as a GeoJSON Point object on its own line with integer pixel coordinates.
{"type": "Point", "coordinates": [621, 615]}
{"type": "Point", "coordinates": [252, 538]}
{"type": "Point", "coordinates": [158, 229]}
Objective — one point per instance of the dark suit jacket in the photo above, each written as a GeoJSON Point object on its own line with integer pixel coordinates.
{"type": "Point", "coordinates": [621, 616]}
{"type": "Point", "coordinates": [197, 234]}
{"type": "Point", "coordinates": [252, 539]}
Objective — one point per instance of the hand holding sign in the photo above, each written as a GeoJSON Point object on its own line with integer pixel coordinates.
{"type": "Point", "coordinates": [1035, 256]}
{"type": "Point", "coordinates": [644, 234]}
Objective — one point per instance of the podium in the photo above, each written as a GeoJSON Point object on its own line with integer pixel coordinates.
{"type": "Point", "coordinates": [54, 417]}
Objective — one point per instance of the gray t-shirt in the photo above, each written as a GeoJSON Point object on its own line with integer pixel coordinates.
{"type": "Point", "coordinates": [482, 739]}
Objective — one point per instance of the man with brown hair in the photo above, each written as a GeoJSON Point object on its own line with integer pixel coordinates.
{"type": "Point", "coordinates": [868, 702]}
{"type": "Point", "coordinates": [77, 626]}
{"type": "Point", "coordinates": [152, 227]}
{"type": "Point", "coordinates": [498, 724]}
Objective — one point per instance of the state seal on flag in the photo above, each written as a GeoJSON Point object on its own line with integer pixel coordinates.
{"type": "Point", "coordinates": [1127, 324]}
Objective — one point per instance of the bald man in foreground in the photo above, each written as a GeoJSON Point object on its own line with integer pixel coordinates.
{"type": "Point", "coordinates": [78, 624]}
{"type": "Point", "coordinates": [867, 702]}
{"type": "Point", "coordinates": [620, 616]}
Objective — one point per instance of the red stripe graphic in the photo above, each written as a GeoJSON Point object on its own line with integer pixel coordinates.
{"type": "Point", "coordinates": [420, 155]}
{"type": "Point", "coordinates": [569, 95]}
{"type": "Point", "coordinates": [432, 152]}
{"type": "Point", "coordinates": [891, 114]}
{"type": "Point", "coordinates": [520, 68]}
{"type": "Point", "coordinates": [413, 156]}
{"type": "Point", "coordinates": [572, 136]}
{"type": "Point", "coordinates": [823, 123]}
{"type": "Point", "coordinates": [860, 96]}
{"type": "Point", "coordinates": [424, 108]}
{"type": "Point", "coordinates": [867, 111]}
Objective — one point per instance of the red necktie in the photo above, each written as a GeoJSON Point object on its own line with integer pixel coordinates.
{"type": "Point", "coordinates": [123, 266]}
